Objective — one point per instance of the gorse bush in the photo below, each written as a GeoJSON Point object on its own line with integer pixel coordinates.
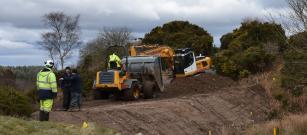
{"type": "Point", "coordinates": [32, 95]}
{"type": "Point", "coordinates": [92, 59]}
{"type": "Point", "coordinates": [181, 34]}
{"type": "Point", "coordinates": [14, 103]}
{"type": "Point", "coordinates": [294, 72]}
{"type": "Point", "coordinates": [7, 77]}
{"type": "Point", "coordinates": [250, 49]}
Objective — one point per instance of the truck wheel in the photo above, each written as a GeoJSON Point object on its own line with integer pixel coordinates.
{"type": "Point", "coordinates": [98, 94]}
{"type": "Point", "coordinates": [148, 89]}
{"type": "Point", "coordinates": [132, 93]}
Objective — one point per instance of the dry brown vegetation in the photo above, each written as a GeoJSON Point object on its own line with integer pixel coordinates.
{"type": "Point", "coordinates": [290, 125]}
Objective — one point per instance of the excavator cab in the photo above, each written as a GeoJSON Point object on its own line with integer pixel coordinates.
{"type": "Point", "coordinates": [184, 62]}
{"type": "Point", "coordinates": [187, 64]}
{"type": "Point", "coordinates": [203, 63]}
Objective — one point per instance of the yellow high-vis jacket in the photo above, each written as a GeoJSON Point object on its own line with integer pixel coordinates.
{"type": "Point", "coordinates": [115, 58]}
{"type": "Point", "coordinates": [46, 84]}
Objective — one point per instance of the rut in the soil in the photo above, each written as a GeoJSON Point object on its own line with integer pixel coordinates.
{"type": "Point", "coordinates": [214, 106]}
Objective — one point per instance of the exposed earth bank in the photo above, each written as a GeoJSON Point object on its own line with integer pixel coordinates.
{"type": "Point", "coordinates": [193, 105]}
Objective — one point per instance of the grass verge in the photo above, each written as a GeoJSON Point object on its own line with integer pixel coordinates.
{"type": "Point", "coordinates": [16, 126]}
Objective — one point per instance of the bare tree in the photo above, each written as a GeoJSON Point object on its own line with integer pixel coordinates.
{"type": "Point", "coordinates": [115, 36]}
{"type": "Point", "coordinates": [293, 20]}
{"type": "Point", "coordinates": [96, 49]}
{"type": "Point", "coordinates": [63, 38]}
{"type": "Point", "coordinates": [297, 16]}
{"type": "Point", "coordinates": [297, 21]}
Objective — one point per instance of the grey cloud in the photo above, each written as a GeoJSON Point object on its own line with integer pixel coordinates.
{"type": "Point", "coordinates": [98, 13]}
{"type": "Point", "coordinates": [20, 60]}
{"type": "Point", "coordinates": [273, 3]}
{"type": "Point", "coordinates": [20, 20]}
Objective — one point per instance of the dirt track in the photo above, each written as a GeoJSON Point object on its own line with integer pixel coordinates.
{"type": "Point", "coordinates": [192, 105]}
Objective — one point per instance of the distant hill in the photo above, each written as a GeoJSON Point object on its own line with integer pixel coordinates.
{"type": "Point", "coordinates": [20, 77]}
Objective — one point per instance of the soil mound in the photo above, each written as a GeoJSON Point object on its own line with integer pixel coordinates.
{"type": "Point", "coordinates": [202, 83]}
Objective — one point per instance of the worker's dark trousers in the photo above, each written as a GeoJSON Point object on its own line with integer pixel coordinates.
{"type": "Point", "coordinates": [66, 98]}
{"type": "Point", "coordinates": [75, 100]}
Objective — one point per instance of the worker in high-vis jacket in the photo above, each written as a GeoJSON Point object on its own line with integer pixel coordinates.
{"type": "Point", "coordinates": [47, 90]}
{"type": "Point", "coordinates": [114, 61]}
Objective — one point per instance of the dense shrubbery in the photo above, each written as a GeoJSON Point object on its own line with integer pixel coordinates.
{"type": "Point", "coordinates": [249, 49]}
{"type": "Point", "coordinates": [295, 70]}
{"type": "Point", "coordinates": [25, 72]}
{"type": "Point", "coordinates": [7, 77]}
{"type": "Point", "coordinates": [14, 103]}
{"type": "Point", "coordinates": [22, 78]}
{"type": "Point", "coordinates": [14, 83]}
{"type": "Point", "coordinates": [294, 74]}
{"type": "Point", "coordinates": [181, 34]}
{"type": "Point", "coordinates": [92, 59]}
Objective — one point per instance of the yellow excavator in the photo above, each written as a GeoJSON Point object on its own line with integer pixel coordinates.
{"type": "Point", "coordinates": [187, 64]}
{"type": "Point", "coordinates": [181, 62]}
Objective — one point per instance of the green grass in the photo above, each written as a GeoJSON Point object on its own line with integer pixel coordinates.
{"type": "Point", "coordinates": [16, 126]}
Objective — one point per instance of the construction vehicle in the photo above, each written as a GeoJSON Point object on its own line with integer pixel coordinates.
{"type": "Point", "coordinates": [187, 64]}
{"type": "Point", "coordinates": [139, 76]}
{"type": "Point", "coordinates": [166, 54]}
{"type": "Point", "coordinates": [182, 62]}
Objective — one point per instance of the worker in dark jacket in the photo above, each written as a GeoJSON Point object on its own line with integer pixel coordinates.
{"type": "Point", "coordinates": [66, 87]}
{"type": "Point", "coordinates": [76, 82]}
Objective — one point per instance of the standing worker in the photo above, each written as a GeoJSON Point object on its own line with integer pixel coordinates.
{"type": "Point", "coordinates": [75, 102]}
{"type": "Point", "coordinates": [47, 90]}
{"type": "Point", "coordinates": [66, 86]}
{"type": "Point", "coordinates": [114, 61]}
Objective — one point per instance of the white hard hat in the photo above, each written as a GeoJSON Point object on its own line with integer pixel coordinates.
{"type": "Point", "coordinates": [49, 63]}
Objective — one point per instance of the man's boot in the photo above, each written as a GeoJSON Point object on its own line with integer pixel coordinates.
{"type": "Point", "coordinates": [41, 115]}
{"type": "Point", "coordinates": [46, 116]}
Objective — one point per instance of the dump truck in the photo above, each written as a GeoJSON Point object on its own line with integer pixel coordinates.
{"type": "Point", "coordinates": [140, 76]}
{"type": "Point", "coordinates": [166, 54]}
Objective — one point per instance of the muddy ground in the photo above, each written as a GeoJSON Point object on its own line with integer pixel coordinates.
{"type": "Point", "coordinates": [194, 105]}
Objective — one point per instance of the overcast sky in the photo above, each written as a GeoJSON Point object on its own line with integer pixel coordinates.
{"type": "Point", "coordinates": [21, 25]}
